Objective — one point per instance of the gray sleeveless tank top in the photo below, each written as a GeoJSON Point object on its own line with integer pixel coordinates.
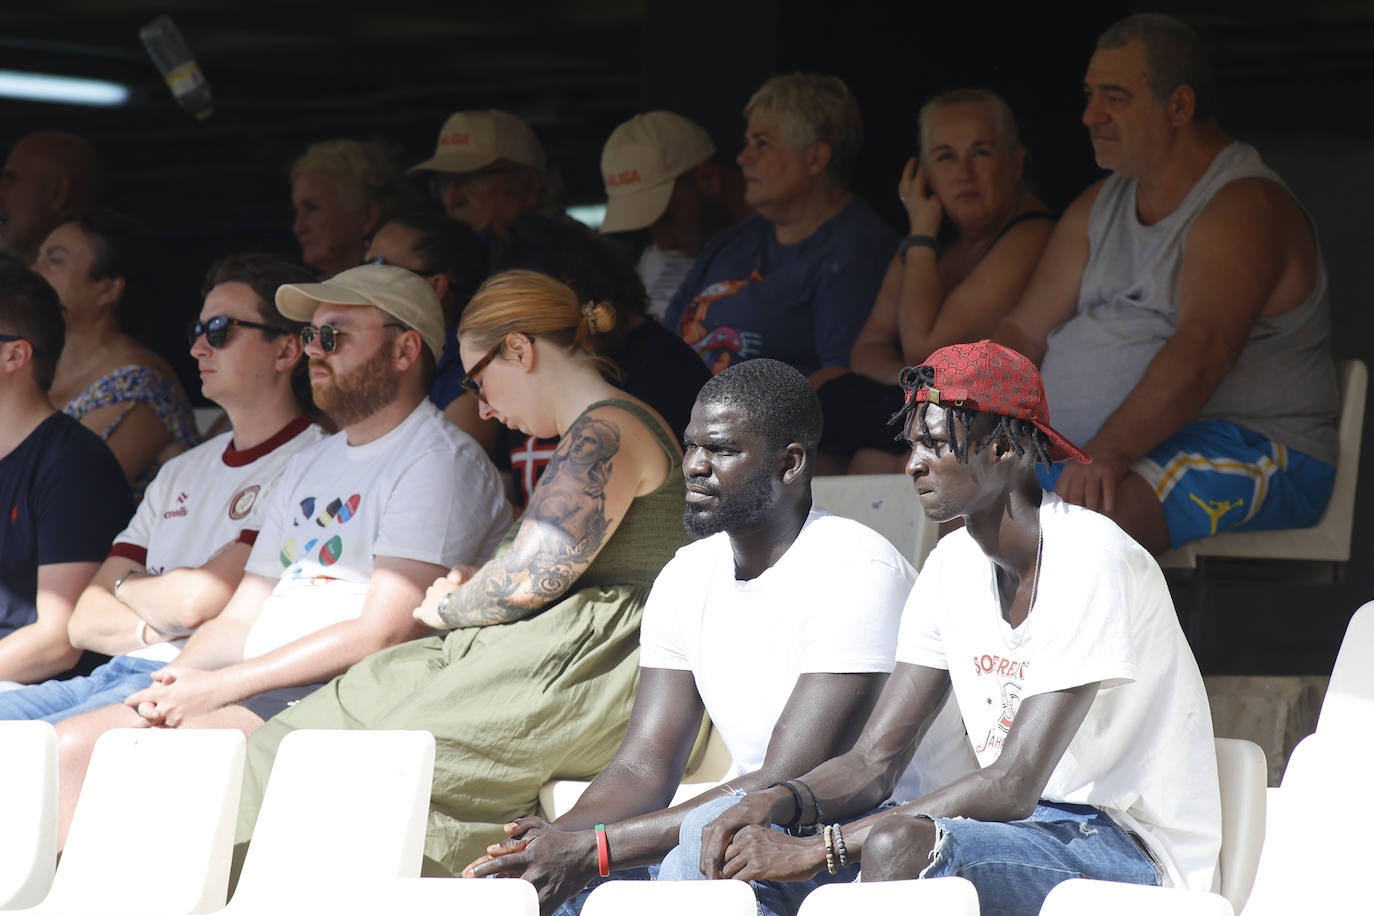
{"type": "Point", "coordinates": [1284, 384]}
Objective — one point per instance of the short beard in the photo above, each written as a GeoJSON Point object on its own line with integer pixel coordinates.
{"type": "Point", "coordinates": [361, 392]}
{"type": "Point", "coordinates": [747, 507]}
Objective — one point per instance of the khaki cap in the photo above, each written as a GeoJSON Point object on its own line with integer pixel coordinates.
{"type": "Point", "coordinates": [641, 160]}
{"type": "Point", "coordinates": [470, 140]}
{"type": "Point", "coordinates": [403, 295]}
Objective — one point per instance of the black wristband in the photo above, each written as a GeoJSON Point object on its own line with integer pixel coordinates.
{"type": "Point", "coordinates": [920, 241]}
{"type": "Point", "coordinates": [815, 802]}
{"type": "Point", "coordinates": [796, 799]}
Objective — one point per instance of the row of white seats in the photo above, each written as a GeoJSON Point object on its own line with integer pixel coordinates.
{"type": "Point", "coordinates": [343, 820]}
{"type": "Point", "coordinates": [343, 814]}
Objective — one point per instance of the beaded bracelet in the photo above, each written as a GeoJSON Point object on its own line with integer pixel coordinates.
{"type": "Point", "coordinates": [830, 849]}
{"type": "Point", "coordinates": [841, 850]}
{"type": "Point", "coordinates": [603, 852]}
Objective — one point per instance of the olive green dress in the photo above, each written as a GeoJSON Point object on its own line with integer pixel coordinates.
{"type": "Point", "coordinates": [513, 705]}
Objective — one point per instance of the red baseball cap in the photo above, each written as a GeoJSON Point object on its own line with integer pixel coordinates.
{"type": "Point", "coordinates": [991, 378]}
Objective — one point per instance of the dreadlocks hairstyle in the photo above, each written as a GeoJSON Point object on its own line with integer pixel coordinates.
{"type": "Point", "coordinates": [1016, 430]}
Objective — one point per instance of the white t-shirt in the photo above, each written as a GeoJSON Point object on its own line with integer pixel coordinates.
{"type": "Point", "coordinates": [1145, 753]}
{"type": "Point", "coordinates": [830, 604]}
{"type": "Point", "coordinates": [424, 491]}
{"type": "Point", "coordinates": [662, 272]}
{"type": "Point", "coordinates": [203, 499]}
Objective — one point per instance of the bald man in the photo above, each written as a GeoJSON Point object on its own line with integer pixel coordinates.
{"type": "Point", "coordinates": [48, 175]}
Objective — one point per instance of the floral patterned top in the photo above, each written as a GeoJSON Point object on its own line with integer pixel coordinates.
{"type": "Point", "coordinates": [134, 385]}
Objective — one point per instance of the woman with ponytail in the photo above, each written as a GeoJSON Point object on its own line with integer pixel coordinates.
{"type": "Point", "coordinates": [536, 677]}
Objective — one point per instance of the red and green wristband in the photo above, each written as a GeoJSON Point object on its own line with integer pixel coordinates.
{"type": "Point", "coordinates": [603, 852]}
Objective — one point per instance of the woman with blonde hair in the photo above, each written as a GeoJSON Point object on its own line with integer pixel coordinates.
{"type": "Point", "coordinates": [536, 678]}
{"type": "Point", "coordinates": [343, 191]}
{"type": "Point", "coordinates": [795, 282]}
{"type": "Point", "coordinates": [976, 235]}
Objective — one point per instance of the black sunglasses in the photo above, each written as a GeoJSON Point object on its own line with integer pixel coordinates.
{"type": "Point", "coordinates": [469, 381]}
{"type": "Point", "coordinates": [6, 338]}
{"type": "Point", "coordinates": [329, 335]}
{"type": "Point", "coordinates": [216, 330]}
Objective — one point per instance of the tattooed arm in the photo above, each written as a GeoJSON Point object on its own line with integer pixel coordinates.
{"type": "Point", "coordinates": [581, 498]}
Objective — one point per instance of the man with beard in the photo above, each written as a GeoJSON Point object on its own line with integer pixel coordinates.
{"type": "Point", "coordinates": [357, 528]}
{"type": "Point", "coordinates": [780, 622]}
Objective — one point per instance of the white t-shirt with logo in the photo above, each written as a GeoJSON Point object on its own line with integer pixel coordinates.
{"type": "Point", "coordinates": [830, 604]}
{"type": "Point", "coordinates": [204, 499]}
{"type": "Point", "coordinates": [424, 491]}
{"type": "Point", "coordinates": [1102, 613]}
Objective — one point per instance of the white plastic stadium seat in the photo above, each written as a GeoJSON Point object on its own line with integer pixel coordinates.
{"type": "Point", "coordinates": [1349, 703]}
{"type": "Point", "coordinates": [1329, 539]}
{"type": "Point", "coordinates": [1243, 773]}
{"type": "Point", "coordinates": [1316, 839]}
{"type": "Point", "coordinates": [28, 812]}
{"type": "Point", "coordinates": [945, 896]}
{"type": "Point", "coordinates": [1081, 896]}
{"type": "Point", "coordinates": [713, 767]}
{"type": "Point", "coordinates": [153, 826]}
{"type": "Point", "coordinates": [426, 897]}
{"type": "Point", "coordinates": [671, 898]}
{"type": "Point", "coordinates": [884, 502]}
{"type": "Point", "coordinates": [341, 806]}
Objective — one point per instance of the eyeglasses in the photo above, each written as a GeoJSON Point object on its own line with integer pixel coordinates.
{"type": "Point", "coordinates": [469, 382]}
{"type": "Point", "coordinates": [6, 338]}
{"type": "Point", "coordinates": [329, 335]}
{"type": "Point", "coordinates": [216, 330]}
{"type": "Point", "coordinates": [438, 181]}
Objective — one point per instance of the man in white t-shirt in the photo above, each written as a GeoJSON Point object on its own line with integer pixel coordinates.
{"type": "Point", "coordinates": [1059, 639]}
{"type": "Point", "coordinates": [779, 622]}
{"type": "Point", "coordinates": [355, 531]}
{"type": "Point", "coordinates": [182, 555]}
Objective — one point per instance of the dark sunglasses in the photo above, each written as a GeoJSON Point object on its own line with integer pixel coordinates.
{"type": "Point", "coordinates": [469, 381]}
{"type": "Point", "coordinates": [216, 330]}
{"type": "Point", "coordinates": [329, 335]}
{"type": "Point", "coordinates": [6, 338]}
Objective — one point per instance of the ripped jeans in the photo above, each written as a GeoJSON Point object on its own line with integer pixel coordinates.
{"type": "Point", "coordinates": [1014, 864]}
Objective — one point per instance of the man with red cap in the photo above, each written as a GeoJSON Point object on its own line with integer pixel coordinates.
{"type": "Point", "coordinates": [1056, 633]}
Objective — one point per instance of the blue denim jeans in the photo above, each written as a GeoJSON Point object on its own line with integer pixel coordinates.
{"type": "Point", "coordinates": [775, 898]}
{"type": "Point", "coordinates": [53, 701]}
{"type": "Point", "coordinates": [1014, 864]}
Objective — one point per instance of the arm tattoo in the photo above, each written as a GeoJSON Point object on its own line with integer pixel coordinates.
{"type": "Point", "coordinates": [563, 530]}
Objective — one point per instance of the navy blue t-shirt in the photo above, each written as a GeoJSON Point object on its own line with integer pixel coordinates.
{"type": "Point", "coordinates": [748, 296]}
{"type": "Point", "coordinates": [449, 371]}
{"type": "Point", "coordinates": [64, 498]}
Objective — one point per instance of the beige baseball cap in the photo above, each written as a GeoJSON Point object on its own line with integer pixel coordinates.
{"type": "Point", "coordinates": [470, 140]}
{"type": "Point", "coordinates": [403, 295]}
{"type": "Point", "coordinates": [641, 160]}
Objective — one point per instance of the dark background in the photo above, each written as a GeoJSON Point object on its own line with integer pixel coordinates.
{"type": "Point", "coordinates": [1296, 80]}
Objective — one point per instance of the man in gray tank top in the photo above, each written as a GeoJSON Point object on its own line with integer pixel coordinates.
{"type": "Point", "coordinates": [1180, 312]}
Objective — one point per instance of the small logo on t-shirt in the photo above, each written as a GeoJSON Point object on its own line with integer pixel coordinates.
{"type": "Point", "coordinates": [243, 500]}
{"type": "Point", "coordinates": [14, 515]}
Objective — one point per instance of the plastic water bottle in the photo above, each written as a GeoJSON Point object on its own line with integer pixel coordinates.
{"type": "Point", "coordinates": [168, 50]}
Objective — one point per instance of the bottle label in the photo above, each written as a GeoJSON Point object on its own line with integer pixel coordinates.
{"type": "Point", "coordinates": [185, 79]}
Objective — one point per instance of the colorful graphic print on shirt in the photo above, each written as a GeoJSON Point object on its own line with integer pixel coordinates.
{"type": "Point", "coordinates": [325, 550]}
